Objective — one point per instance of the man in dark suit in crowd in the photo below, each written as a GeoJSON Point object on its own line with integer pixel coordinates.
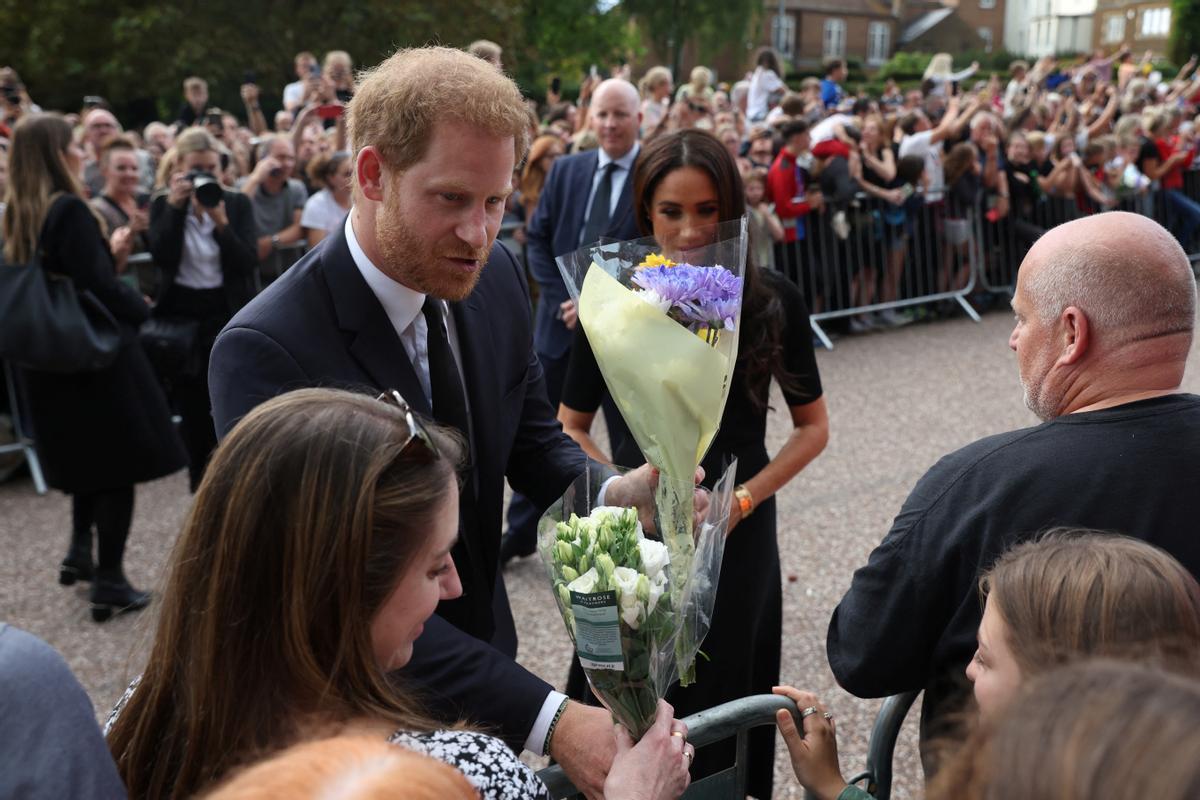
{"type": "Point", "coordinates": [587, 196]}
{"type": "Point", "coordinates": [435, 134]}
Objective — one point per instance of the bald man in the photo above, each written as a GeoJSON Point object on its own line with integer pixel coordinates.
{"type": "Point", "coordinates": [1105, 308]}
{"type": "Point", "coordinates": [586, 197]}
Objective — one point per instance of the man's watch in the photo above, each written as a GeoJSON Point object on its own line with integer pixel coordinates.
{"type": "Point", "coordinates": [275, 242]}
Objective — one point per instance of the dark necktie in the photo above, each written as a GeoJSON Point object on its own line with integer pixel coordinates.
{"type": "Point", "coordinates": [449, 400]}
{"type": "Point", "coordinates": [598, 214]}
{"type": "Point", "coordinates": [475, 559]}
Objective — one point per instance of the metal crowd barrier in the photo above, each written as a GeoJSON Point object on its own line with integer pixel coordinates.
{"type": "Point", "coordinates": [22, 442]}
{"type": "Point", "coordinates": [868, 256]}
{"type": "Point", "coordinates": [1005, 242]}
{"type": "Point", "coordinates": [890, 258]}
{"type": "Point", "coordinates": [732, 719]}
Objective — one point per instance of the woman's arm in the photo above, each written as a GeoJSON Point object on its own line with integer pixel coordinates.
{"type": "Point", "coordinates": [884, 166]}
{"type": "Point", "coordinates": [236, 239]}
{"type": "Point", "coordinates": [810, 433]}
{"type": "Point", "coordinates": [578, 425]}
{"type": "Point", "coordinates": [73, 240]}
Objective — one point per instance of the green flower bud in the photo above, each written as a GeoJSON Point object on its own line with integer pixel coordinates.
{"type": "Point", "coordinates": [605, 566]}
{"type": "Point", "coordinates": [585, 539]}
{"type": "Point", "coordinates": [564, 533]}
{"type": "Point", "coordinates": [564, 595]}
{"type": "Point", "coordinates": [643, 589]}
{"type": "Point", "coordinates": [564, 553]}
{"type": "Point", "coordinates": [569, 574]}
{"type": "Point", "coordinates": [585, 563]}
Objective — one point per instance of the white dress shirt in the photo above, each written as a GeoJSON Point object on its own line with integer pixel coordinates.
{"type": "Point", "coordinates": [403, 307]}
{"type": "Point", "coordinates": [200, 261]}
{"type": "Point", "coordinates": [619, 176]}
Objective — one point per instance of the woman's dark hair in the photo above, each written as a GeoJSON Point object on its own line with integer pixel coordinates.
{"type": "Point", "coordinates": [909, 169]}
{"type": "Point", "coordinates": [768, 60]}
{"type": "Point", "coordinates": [760, 348]}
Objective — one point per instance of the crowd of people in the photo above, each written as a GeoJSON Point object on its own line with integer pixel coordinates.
{"type": "Point", "coordinates": [337, 588]}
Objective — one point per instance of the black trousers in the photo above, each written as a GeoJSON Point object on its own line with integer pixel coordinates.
{"type": "Point", "coordinates": [189, 392]}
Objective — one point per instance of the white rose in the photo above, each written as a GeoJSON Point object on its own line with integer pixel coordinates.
{"type": "Point", "coordinates": [654, 557]}
{"type": "Point", "coordinates": [625, 581]}
{"type": "Point", "coordinates": [585, 583]}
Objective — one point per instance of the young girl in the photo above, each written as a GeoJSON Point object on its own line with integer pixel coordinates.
{"type": "Point", "coordinates": [1066, 597]}
{"type": "Point", "coordinates": [327, 209]}
{"type": "Point", "coordinates": [765, 227]}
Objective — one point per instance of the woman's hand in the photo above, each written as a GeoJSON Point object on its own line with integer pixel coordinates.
{"type": "Point", "coordinates": [218, 215]}
{"type": "Point", "coordinates": [139, 221]}
{"type": "Point", "coordinates": [657, 767]}
{"type": "Point", "coordinates": [813, 750]}
{"type": "Point", "coordinates": [180, 190]}
{"type": "Point", "coordinates": [121, 244]}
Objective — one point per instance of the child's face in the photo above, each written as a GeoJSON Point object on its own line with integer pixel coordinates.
{"type": "Point", "coordinates": [754, 192]}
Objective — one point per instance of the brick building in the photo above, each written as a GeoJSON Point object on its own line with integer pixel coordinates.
{"type": "Point", "coordinates": [1139, 24]}
{"type": "Point", "coordinates": [814, 31]}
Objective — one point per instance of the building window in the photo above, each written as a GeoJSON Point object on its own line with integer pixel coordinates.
{"type": "Point", "coordinates": [1114, 28]}
{"type": "Point", "coordinates": [987, 3]}
{"type": "Point", "coordinates": [986, 35]}
{"type": "Point", "coordinates": [1156, 22]}
{"type": "Point", "coordinates": [835, 38]}
{"type": "Point", "coordinates": [783, 34]}
{"type": "Point", "coordinates": [878, 36]}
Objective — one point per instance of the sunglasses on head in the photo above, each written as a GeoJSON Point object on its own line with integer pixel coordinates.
{"type": "Point", "coordinates": [416, 431]}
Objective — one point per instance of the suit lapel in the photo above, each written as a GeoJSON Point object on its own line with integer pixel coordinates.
{"type": "Point", "coordinates": [580, 190]}
{"type": "Point", "coordinates": [371, 339]}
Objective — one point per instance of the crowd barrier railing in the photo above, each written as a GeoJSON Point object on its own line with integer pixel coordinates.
{"type": "Point", "coordinates": [869, 256]}
{"type": "Point", "coordinates": [728, 720]}
{"type": "Point", "coordinates": [22, 441]}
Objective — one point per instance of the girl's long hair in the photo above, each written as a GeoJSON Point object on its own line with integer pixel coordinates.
{"type": "Point", "coordinates": [310, 512]}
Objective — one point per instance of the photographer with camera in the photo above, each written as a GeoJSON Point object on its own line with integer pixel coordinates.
{"type": "Point", "coordinates": [202, 237]}
{"type": "Point", "coordinates": [276, 197]}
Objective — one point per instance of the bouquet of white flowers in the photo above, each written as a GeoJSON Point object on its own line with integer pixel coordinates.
{"type": "Point", "coordinates": [612, 584]}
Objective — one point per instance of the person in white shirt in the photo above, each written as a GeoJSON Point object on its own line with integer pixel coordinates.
{"type": "Point", "coordinates": [326, 209]}
{"type": "Point", "coordinates": [293, 93]}
{"type": "Point", "coordinates": [764, 82]}
{"type": "Point", "coordinates": [922, 139]}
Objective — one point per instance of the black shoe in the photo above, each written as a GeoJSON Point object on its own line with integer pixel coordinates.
{"type": "Point", "coordinates": [76, 567]}
{"type": "Point", "coordinates": [512, 547]}
{"type": "Point", "coordinates": [112, 595]}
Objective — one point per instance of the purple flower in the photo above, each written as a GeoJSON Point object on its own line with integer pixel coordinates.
{"type": "Point", "coordinates": [695, 296]}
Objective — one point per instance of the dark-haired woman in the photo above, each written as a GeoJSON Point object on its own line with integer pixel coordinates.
{"type": "Point", "coordinates": [316, 550]}
{"type": "Point", "coordinates": [98, 433]}
{"type": "Point", "coordinates": [684, 184]}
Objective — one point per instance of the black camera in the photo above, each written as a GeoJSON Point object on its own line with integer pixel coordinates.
{"type": "Point", "coordinates": [206, 187]}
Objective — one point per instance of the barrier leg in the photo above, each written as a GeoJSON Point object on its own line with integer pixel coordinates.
{"type": "Point", "coordinates": [820, 333]}
{"type": "Point", "coordinates": [23, 442]}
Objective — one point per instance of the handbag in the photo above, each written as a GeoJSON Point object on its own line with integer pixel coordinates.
{"type": "Point", "coordinates": [48, 324]}
{"type": "Point", "coordinates": [170, 344]}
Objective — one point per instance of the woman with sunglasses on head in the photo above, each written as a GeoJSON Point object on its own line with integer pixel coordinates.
{"type": "Point", "coordinates": [317, 547]}
{"type": "Point", "coordinates": [684, 184]}
{"type": "Point", "coordinates": [99, 433]}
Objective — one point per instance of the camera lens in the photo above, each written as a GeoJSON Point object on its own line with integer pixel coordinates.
{"type": "Point", "coordinates": [207, 188]}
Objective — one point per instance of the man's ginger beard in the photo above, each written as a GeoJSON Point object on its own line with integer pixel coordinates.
{"type": "Point", "coordinates": [416, 261]}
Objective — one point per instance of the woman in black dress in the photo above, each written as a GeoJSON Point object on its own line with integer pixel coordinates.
{"type": "Point", "coordinates": [683, 184]}
{"type": "Point", "coordinates": [97, 433]}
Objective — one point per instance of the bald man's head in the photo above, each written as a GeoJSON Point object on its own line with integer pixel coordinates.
{"type": "Point", "coordinates": [616, 116]}
{"type": "Point", "coordinates": [1125, 272]}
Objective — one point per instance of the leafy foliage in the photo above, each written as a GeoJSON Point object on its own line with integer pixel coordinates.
{"type": "Point", "coordinates": [711, 24]}
{"type": "Point", "coordinates": [1185, 30]}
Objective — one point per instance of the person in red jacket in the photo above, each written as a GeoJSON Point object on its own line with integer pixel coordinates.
{"type": "Point", "coordinates": [788, 186]}
{"type": "Point", "coordinates": [1175, 154]}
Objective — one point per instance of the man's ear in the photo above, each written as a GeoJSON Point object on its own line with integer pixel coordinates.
{"type": "Point", "coordinates": [1076, 333]}
{"type": "Point", "coordinates": [368, 172]}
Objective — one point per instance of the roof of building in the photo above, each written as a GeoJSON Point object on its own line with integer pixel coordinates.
{"type": "Point", "coordinates": [924, 23]}
{"type": "Point", "coordinates": [875, 8]}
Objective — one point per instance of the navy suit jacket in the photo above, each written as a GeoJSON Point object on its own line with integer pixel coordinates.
{"type": "Point", "coordinates": [321, 325]}
{"type": "Point", "coordinates": [555, 229]}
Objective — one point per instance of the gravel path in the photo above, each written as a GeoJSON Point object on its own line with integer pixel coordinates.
{"type": "Point", "coordinates": [897, 402]}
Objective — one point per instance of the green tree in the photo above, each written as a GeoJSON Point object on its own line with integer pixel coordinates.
{"type": "Point", "coordinates": [711, 24]}
{"type": "Point", "coordinates": [1185, 30]}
